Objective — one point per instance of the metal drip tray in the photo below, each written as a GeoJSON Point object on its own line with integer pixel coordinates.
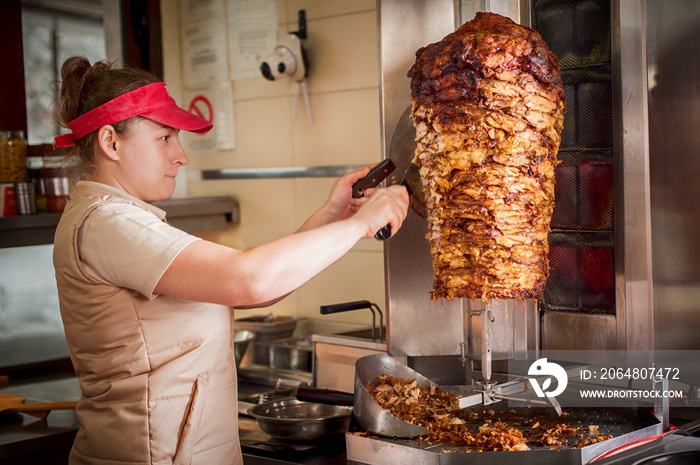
{"type": "Point", "coordinates": [625, 425]}
{"type": "Point", "coordinates": [360, 338]}
{"type": "Point", "coordinates": [365, 334]}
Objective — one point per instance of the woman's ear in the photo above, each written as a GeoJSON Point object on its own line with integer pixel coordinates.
{"type": "Point", "coordinates": [108, 140]}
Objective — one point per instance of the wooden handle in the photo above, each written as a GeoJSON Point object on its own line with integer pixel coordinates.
{"type": "Point", "coordinates": [43, 406]}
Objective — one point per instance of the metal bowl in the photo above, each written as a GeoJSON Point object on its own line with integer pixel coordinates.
{"type": "Point", "coordinates": [293, 420]}
{"type": "Point", "coordinates": [241, 340]}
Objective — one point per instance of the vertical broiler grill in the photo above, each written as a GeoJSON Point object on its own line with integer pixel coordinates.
{"type": "Point", "coordinates": [601, 294]}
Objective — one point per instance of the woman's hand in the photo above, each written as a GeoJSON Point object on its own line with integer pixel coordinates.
{"type": "Point", "coordinates": [340, 203]}
{"type": "Point", "coordinates": [385, 206]}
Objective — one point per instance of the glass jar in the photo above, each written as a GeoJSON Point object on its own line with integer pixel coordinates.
{"type": "Point", "coordinates": [56, 183]}
{"type": "Point", "coordinates": [13, 156]}
{"type": "Point", "coordinates": [57, 190]}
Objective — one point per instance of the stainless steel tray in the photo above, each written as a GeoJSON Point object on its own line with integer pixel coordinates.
{"type": "Point", "coordinates": [625, 425]}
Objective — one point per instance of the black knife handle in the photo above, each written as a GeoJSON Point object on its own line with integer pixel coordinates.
{"type": "Point", "coordinates": [373, 178]}
{"type": "Point", "coordinates": [384, 233]}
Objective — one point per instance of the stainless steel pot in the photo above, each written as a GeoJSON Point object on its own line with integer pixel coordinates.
{"type": "Point", "coordinates": [241, 340]}
{"type": "Point", "coordinates": [292, 353]}
{"type": "Point", "coordinates": [266, 328]}
{"type": "Point", "coordinates": [293, 420]}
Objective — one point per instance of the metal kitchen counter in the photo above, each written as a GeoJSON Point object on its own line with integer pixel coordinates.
{"type": "Point", "coordinates": [349, 341]}
{"type": "Point", "coordinates": [28, 440]}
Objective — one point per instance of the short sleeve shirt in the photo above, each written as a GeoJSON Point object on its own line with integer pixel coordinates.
{"type": "Point", "coordinates": [126, 242]}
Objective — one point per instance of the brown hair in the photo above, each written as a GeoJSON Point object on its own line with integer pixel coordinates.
{"type": "Point", "coordinates": [84, 87]}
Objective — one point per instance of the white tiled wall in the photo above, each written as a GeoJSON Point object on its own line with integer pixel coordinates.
{"type": "Point", "coordinates": [344, 97]}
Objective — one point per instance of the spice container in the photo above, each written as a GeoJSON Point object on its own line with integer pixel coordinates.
{"type": "Point", "coordinates": [13, 156]}
{"type": "Point", "coordinates": [8, 206]}
{"type": "Point", "coordinates": [57, 189]}
{"type": "Point", "coordinates": [24, 198]}
{"type": "Point", "coordinates": [35, 163]}
{"type": "Point", "coordinates": [53, 174]}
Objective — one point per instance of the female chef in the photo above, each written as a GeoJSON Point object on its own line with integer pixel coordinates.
{"type": "Point", "coordinates": [147, 308]}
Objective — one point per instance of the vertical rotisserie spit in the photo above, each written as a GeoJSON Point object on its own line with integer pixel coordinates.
{"type": "Point", "coordinates": [488, 106]}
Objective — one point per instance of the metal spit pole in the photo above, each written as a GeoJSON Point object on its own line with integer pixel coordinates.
{"type": "Point", "coordinates": [486, 316]}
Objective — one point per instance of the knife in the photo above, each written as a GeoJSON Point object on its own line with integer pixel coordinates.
{"type": "Point", "coordinates": [402, 148]}
{"type": "Point", "coordinates": [373, 178]}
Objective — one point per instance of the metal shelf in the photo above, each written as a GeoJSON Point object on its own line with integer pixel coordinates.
{"type": "Point", "coordinates": [191, 214]}
{"type": "Point", "coordinates": [20, 231]}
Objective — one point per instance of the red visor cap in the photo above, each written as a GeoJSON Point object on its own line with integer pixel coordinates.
{"type": "Point", "coordinates": [151, 101]}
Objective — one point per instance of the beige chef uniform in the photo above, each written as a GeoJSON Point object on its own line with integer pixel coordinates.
{"type": "Point", "coordinates": [157, 373]}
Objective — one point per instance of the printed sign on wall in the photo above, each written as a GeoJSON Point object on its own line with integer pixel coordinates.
{"type": "Point", "coordinates": [252, 27]}
{"type": "Point", "coordinates": [213, 102]}
{"type": "Point", "coordinates": [204, 52]}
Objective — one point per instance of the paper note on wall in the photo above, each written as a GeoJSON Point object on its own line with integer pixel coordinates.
{"type": "Point", "coordinates": [204, 53]}
{"type": "Point", "coordinates": [252, 34]}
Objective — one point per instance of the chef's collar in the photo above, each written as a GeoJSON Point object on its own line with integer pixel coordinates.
{"type": "Point", "coordinates": [86, 186]}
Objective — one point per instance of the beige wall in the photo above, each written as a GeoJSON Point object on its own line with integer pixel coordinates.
{"type": "Point", "coordinates": [344, 98]}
